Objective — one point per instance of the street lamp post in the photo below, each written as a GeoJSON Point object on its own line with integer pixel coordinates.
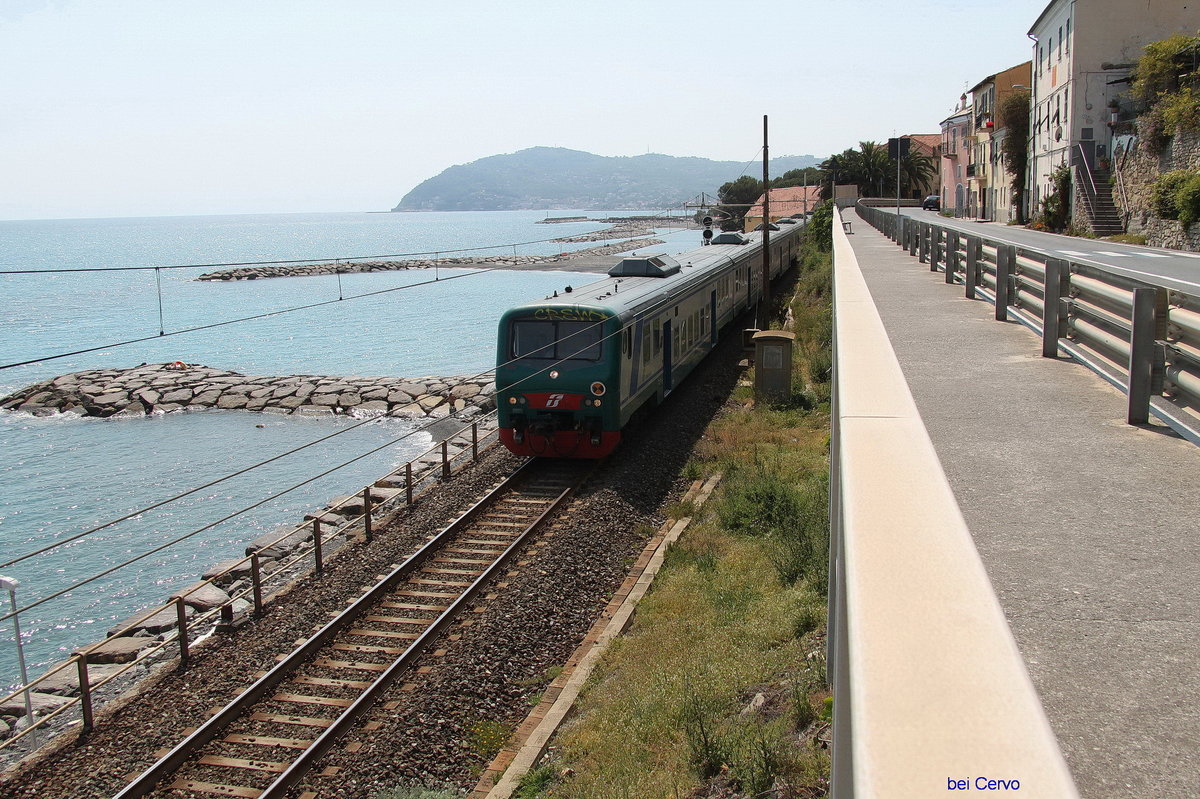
{"type": "Point", "coordinates": [11, 585]}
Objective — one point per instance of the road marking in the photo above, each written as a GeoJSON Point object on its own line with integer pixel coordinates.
{"type": "Point", "coordinates": [1151, 255]}
{"type": "Point", "coordinates": [1074, 252]}
{"type": "Point", "coordinates": [1112, 254]}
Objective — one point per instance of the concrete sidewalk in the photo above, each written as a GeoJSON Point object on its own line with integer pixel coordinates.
{"type": "Point", "coordinates": [1089, 528]}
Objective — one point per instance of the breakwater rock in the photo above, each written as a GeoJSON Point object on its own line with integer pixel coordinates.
{"type": "Point", "coordinates": [476, 262]}
{"type": "Point", "coordinates": [352, 267]}
{"type": "Point", "coordinates": [171, 387]}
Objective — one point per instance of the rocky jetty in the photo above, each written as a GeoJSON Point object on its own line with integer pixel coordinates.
{"type": "Point", "coordinates": [352, 267]}
{"type": "Point", "coordinates": [476, 262]}
{"type": "Point", "coordinates": [171, 387]}
{"type": "Point", "coordinates": [621, 231]}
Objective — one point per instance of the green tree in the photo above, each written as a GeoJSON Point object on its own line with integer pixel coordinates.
{"type": "Point", "coordinates": [808, 176]}
{"type": "Point", "coordinates": [1166, 67]}
{"type": "Point", "coordinates": [916, 172]}
{"type": "Point", "coordinates": [1014, 119]}
{"type": "Point", "coordinates": [737, 196]}
{"type": "Point", "coordinates": [837, 169]}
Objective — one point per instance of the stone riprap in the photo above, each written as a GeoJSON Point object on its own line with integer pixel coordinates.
{"type": "Point", "coordinates": [171, 387]}
{"type": "Point", "coordinates": [488, 262]}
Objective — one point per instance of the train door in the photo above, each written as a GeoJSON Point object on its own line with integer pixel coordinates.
{"type": "Point", "coordinates": [667, 386]}
{"type": "Point", "coordinates": [712, 318]}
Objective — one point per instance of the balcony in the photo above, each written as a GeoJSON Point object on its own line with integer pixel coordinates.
{"type": "Point", "coordinates": [975, 170]}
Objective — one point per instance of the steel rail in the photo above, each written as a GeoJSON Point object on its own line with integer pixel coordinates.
{"type": "Point", "coordinates": [169, 763]}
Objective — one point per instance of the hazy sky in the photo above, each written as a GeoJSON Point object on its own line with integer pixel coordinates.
{"type": "Point", "coordinates": [162, 107]}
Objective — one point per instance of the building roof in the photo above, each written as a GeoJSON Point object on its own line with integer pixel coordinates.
{"type": "Point", "coordinates": [925, 142]}
{"type": "Point", "coordinates": [789, 201]}
{"type": "Point", "coordinates": [957, 116]}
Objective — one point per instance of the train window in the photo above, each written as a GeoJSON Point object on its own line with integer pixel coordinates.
{"type": "Point", "coordinates": [645, 347]}
{"type": "Point", "coordinates": [532, 338]}
{"type": "Point", "coordinates": [657, 325]}
{"type": "Point", "coordinates": [579, 340]}
{"type": "Point", "coordinates": [628, 343]}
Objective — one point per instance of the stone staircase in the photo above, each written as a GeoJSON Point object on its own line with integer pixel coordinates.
{"type": "Point", "coordinates": [1100, 208]}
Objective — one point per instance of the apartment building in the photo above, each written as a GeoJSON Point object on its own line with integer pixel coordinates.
{"type": "Point", "coordinates": [1083, 53]}
{"type": "Point", "coordinates": [988, 179]}
{"type": "Point", "coordinates": [956, 157]}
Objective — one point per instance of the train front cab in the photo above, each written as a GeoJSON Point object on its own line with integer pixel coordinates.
{"type": "Point", "coordinates": [557, 384]}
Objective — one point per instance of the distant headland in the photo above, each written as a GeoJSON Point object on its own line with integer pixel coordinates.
{"type": "Point", "coordinates": [556, 177]}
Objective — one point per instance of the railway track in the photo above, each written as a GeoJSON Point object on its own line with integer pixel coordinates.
{"type": "Point", "coordinates": [263, 742]}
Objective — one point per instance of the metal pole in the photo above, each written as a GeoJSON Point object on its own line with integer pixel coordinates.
{"type": "Point", "coordinates": [12, 585]}
{"type": "Point", "coordinates": [1141, 356]}
{"type": "Point", "coordinates": [85, 693]}
{"type": "Point", "coordinates": [317, 555]}
{"type": "Point", "coordinates": [181, 621]}
{"type": "Point", "coordinates": [763, 321]}
{"type": "Point", "coordinates": [368, 532]}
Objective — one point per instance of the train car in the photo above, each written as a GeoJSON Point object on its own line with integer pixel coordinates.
{"type": "Point", "coordinates": [572, 369]}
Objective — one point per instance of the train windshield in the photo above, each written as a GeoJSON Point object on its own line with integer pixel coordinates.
{"type": "Point", "coordinates": [557, 340]}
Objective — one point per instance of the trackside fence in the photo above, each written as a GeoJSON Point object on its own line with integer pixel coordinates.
{"type": "Point", "coordinates": [251, 582]}
{"type": "Point", "coordinates": [930, 692]}
{"type": "Point", "coordinates": [1141, 337]}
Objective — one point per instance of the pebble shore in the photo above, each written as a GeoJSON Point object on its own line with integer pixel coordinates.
{"type": "Point", "coordinates": [173, 387]}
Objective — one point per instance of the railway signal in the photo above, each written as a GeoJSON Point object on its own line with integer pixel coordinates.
{"type": "Point", "coordinates": [708, 233]}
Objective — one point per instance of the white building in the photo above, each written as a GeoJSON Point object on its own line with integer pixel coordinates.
{"type": "Point", "coordinates": [1083, 52]}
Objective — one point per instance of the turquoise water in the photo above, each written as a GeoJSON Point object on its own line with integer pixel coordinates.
{"type": "Point", "coordinates": [60, 475]}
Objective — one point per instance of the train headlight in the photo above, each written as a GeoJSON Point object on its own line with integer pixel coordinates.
{"type": "Point", "coordinates": [598, 389]}
{"type": "Point", "coordinates": [521, 400]}
{"type": "Point", "coordinates": [596, 403]}
{"type": "Point", "coordinates": [512, 400]}
{"type": "Point", "coordinates": [553, 374]}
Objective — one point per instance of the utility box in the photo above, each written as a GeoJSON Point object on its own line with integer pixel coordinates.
{"type": "Point", "coordinates": [773, 365]}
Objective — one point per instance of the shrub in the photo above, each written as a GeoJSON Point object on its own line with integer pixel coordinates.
{"type": "Point", "coordinates": [819, 229]}
{"type": "Point", "coordinates": [1056, 207]}
{"type": "Point", "coordinates": [1180, 111]}
{"type": "Point", "coordinates": [1168, 192]}
{"type": "Point", "coordinates": [760, 502]}
{"type": "Point", "coordinates": [486, 738]}
{"type": "Point", "coordinates": [1160, 70]}
{"type": "Point", "coordinates": [758, 761]}
{"type": "Point", "coordinates": [535, 782]}
{"type": "Point", "coordinates": [708, 749]}
{"type": "Point", "coordinates": [1187, 199]}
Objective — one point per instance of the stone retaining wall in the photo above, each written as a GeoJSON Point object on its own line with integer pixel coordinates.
{"type": "Point", "coordinates": [170, 387]}
{"type": "Point", "coordinates": [1139, 171]}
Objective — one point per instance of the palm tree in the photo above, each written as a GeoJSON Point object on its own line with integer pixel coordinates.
{"type": "Point", "coordinates": [875, 169]}
{"type": "Point", "coordinates": [916, 172]}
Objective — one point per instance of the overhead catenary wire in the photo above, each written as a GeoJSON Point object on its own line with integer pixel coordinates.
{"type": "Point", "coordinates": [280, 262]}
{"type": "Point", "coordinates": [163, 334]}
{"type": "Point", "coordinates": [240, 472]}
{"type": "Point", "coordinates": [235, 514]}
{"type": "Point", "coordinates": [268, 461]}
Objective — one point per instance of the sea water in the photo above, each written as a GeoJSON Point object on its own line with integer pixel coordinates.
{"type": "Point", "coordinates": [61, 476]}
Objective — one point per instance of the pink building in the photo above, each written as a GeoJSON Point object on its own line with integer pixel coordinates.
{"type": "Point", "coordinates": [956, 158]}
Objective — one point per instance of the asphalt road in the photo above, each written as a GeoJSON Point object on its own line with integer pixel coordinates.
{"type": "Point", "coordinates": [1171, 269]}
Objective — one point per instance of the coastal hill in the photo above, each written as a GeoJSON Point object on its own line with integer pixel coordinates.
{"type": "Point", "coordinates": [555, 177]}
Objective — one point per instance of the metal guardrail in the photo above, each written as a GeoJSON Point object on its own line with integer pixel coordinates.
{"type": "Point", "coordinates": [1142, 338]}
{"type": "Point", "coordinates": [930, 692]}
{"type": "Point", "coordinates": [416, 476]}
